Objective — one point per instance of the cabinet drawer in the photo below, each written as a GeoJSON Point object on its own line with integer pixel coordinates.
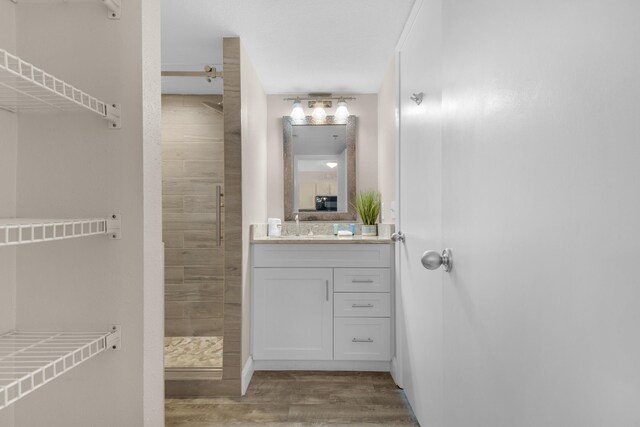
{"type": "Point", "coordinates": [361, 338]}
{"type": "Point", "coordinates": [361, 304]}
{"type": "Point", "coordinates": [321, 255]}
{"type": "Point", "coordinates": [362, 279]}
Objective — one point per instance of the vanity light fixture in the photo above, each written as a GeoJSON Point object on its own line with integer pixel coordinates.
{"type": "Point", "coordinates": [318, 102]}
{"type": "Point", "coordinates": [297, 113]}
{"type": "Point", "coordinates": [318, 111]}
{"type": "Point", "coordinates": [332, 164]}
{"type": "Point", "coordinates": [342, 112]}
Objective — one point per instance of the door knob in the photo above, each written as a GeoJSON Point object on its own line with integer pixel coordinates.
{"type": "Point", "coordinates": [431, 260]}
{"type": "Point", "coordinates": [398, 237]}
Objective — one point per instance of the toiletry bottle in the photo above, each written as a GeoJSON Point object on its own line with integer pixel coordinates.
{"type": "Point", "coordinates": [335, 229]}
{"type": "Point", "coordinates": [352, 228]}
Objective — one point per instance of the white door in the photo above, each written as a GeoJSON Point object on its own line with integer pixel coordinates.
{"type": "Point", "coordinates": [419, 312]}
{"type": "Point", "coordinates": [293, 313]}
{"type": "Point", "coordinates": [540, 206]}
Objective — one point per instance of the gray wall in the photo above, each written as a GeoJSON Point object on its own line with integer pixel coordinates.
{"type": "Point", "coordinates": [8, 155]}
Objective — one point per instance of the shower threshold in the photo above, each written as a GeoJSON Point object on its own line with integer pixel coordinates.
{"type": "Point", "coordinates": [192, 373]}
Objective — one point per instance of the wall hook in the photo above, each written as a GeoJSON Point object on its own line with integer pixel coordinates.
{"type": "Point", "coordinates": [417, 98]}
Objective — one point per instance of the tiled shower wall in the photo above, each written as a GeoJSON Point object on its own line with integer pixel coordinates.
{"type": "Point", "coordinates": [193, 164]}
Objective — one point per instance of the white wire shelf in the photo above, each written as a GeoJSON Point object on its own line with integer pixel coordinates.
{"type": "Point", "coordinates": [20, 231]}
{"type": "Point", "coordinates": [113, 6]}
{"type": "Point", "coordinates": [24, 87]}
{"type": "Point", "coordinates": [29, 360]}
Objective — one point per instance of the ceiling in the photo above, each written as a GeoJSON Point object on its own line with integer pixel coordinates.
{"type": "Point", "coordinates": [296, 46]}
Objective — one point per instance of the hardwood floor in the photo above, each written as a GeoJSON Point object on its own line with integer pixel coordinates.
{"type": "Point", "coordinates": [299, 398]}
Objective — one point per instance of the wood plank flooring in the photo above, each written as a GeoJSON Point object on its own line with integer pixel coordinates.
{"type": "Point", "coordinates": [300, 398]}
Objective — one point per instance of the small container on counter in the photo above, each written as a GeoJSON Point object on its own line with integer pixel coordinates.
{"type": "Point", "coordinates": [352, 229]}
{"type": "Point", "coordinates": [335, 229]}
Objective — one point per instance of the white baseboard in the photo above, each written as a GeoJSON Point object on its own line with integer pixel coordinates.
{"type": "Point", "coordinates": [396, 372]}
{"type": "Point", "coordinates": [247, 374]}
{"type": "Point", "coordinates": [321, 365]}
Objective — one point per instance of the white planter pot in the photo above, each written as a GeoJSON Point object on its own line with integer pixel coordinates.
{"type": "Point", "coordinates": [370, 230]}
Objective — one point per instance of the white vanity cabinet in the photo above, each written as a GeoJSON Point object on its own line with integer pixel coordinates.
{"type": "Point", "coordinates": [322, 306]}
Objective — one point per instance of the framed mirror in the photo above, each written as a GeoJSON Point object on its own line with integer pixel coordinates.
{"type": "Point", "coordinates": [319, 169]}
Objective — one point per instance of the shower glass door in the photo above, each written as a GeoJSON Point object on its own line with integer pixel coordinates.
{"type": "Point", "coordinates": [192, 188]}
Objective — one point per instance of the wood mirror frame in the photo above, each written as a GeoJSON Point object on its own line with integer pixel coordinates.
{"type": "Point", "coordinates": [287, 126]}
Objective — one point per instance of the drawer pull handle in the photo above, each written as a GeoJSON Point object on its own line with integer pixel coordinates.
{"type": "Point", "coordinates": [362, 281]}
{"type": "Point", "coordinates": [362, 305]}
{"type": "Point", "coordinates": [327, 290]}
{"type": "Point", "coordinates": [362, 340]}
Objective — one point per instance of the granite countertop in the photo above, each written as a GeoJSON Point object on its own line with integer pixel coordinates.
{"type": "Point", "coordinates": [321, 239]}
{"type": "Point", "coordinates": [322, 233]}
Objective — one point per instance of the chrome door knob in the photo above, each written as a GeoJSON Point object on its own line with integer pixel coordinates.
{"type": "Point", "coordinates": [431, 260]}
{"type": "Point", "coordinates": [397, 237]}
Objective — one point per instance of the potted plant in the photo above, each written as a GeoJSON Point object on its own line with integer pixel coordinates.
{"type": "Point", "coordinates": [368, 207]}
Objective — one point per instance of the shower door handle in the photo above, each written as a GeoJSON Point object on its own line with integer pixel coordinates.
{"type": "Point", "coordinates": [219, 215]}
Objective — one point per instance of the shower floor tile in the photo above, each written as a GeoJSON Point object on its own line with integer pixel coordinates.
{"type": "Point", "coordinates": [193, 352]}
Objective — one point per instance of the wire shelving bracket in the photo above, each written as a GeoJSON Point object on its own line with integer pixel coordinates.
{"type": "Point", "coordinates": [114, 8]}
{"type": "Point", "coordinates": [24, 87]}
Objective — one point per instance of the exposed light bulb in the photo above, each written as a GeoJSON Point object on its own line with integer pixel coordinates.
{"type": "Point", "coordinates": [297, 113]}
{"type": "Point", "coordinates": [318, 111]}
{"type": "Point", "coordinates": [342, 112]}
{"type": "Point", "coordinates": [332, 164]}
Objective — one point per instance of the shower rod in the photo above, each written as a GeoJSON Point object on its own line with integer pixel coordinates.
{"type": "Point", "coordinates": [208, 73]}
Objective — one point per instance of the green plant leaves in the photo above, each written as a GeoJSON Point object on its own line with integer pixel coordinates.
{"type": "Point", "coordinates": [368, 206]}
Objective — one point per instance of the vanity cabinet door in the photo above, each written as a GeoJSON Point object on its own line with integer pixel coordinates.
{"type": "Point", "coordinates": [293, 313]}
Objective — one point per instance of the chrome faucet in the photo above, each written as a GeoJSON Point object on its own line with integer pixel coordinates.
{"type": "Point", "coordinates": [297, 226]}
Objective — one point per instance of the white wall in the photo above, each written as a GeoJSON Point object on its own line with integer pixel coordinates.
{"type": "Point", "coordinates": [72, 165]}
{"type": "Point", "coordinates": [387, 141]}
{"type": "Point", "coordinates": [254, 177]}
{"type": "Point", "coordinates": [8, 157]}
{"type": "Point", "coordinates": [365, 107]}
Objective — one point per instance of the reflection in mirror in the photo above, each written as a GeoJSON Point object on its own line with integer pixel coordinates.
{"type": "Point", "coordinates": [319, 169]}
